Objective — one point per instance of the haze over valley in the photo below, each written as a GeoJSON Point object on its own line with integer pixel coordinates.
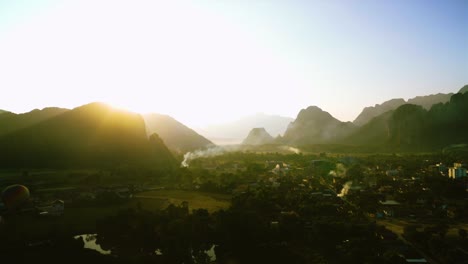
{"type": "Point", "coordinates": [234, 132]}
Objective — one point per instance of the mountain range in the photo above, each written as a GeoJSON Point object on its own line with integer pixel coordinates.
{"type": "Point", "coordinates": [235, 132]}
{"type": "Point", "coordinates": [10, 122]}
{"type": "Point", "coordinates": [401, 126]}
{"type": "Point", "coordinates": [97, 135]}
{"type": "Point", "coordinates": [175, 135]}
{"type": "Point", "coordinates": [90, 136]}
{"type": "Point", "coordinates": [315, 126]}
{"type": "Point", "coordinates": [425, 101]}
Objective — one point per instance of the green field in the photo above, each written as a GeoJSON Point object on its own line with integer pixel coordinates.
{"type": "Point", "coordinates": [155, 199]}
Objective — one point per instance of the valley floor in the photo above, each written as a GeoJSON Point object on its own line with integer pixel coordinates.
{"type": "Point", "coordinates": [78, 220]}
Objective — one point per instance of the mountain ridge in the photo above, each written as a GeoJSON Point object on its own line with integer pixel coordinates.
{"type": "Point", "coordinates": [426, 101]}
{"type": "Point", "coordinates": [315, 126]}
{"type": "Point", "coordinates": [10, 122]}
{"type": "Point", "coordinates": [258, 136]}
{"type": "Point", "coordinates": [238, 130]}
{"type": "Point", "coordinates": [177, 136]}
{"type": "Point", "coordinates": [90, 136]}
{"type": "Point", "coordinates": [464, 89]}
{"type": "Point", "coordinates": [412, 127]}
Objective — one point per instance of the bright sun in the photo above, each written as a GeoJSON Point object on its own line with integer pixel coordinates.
{"type": "Point", "coordinates": [179, 59]}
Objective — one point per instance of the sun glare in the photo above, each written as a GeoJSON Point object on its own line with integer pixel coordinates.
{"type": "Point", "coordinates": [203, 131]}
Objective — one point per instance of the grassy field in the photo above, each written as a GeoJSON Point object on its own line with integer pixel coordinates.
{"type": "Point", "coordinates": [155, 199]}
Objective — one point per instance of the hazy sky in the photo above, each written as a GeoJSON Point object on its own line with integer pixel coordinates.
{"type": "Point", "coordinates": [208, 61]}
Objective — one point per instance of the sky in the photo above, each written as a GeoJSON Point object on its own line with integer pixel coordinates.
{"type": "Point", "coordinates": [208, 62]}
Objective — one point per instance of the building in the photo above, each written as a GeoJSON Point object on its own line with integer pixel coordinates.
{"type": "Point", "coordinates": [281, 169]}
{"type": "Point", "coordinates": [457, 171]}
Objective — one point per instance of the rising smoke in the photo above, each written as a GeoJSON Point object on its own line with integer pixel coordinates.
{"type": "Point", "coordinates": [294, 150]}
{"type": "Point", "coordinates": [339, 171]}
{"type": "Point", "coordinates": [345, 189]}
{"type": "Point", "coordinates": [220, 150]}
{"type": "Point", "coordinates": [203, 153]}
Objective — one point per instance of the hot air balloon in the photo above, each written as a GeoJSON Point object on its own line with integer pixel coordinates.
{"type": "Point", "coordinates": [14, 196]}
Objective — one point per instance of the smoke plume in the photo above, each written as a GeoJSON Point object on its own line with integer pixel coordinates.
{"type": "Point", "coordinates": [345, 189]}
{"type": "Point", "coordinates": [294, 150]}
{"type": "Point", "coordinates": [203, 153]}
{"type": "Point", "coordinates": [339, 171]}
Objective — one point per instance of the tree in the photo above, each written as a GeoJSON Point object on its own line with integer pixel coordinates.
{"type": "Point", "coordinates": [355, 173]}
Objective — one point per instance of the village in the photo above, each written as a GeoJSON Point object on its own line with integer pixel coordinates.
{"type": "Point", "coordinates": [416, 200]}
{"type": "Point", "coordinates": [411, 206]}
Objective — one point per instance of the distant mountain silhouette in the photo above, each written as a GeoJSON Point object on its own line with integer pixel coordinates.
{"type": "Point", "coordinates": [464, 89]}
{"type": "Point", "coordinates": [258, 136]}
{"type": "Point", "coordinates": [175, 135]}
{"type": "Point", "coordinates": [10, 122]}
{"type": "Point", "coordinates": [375, 131]}
{"type": "Point", "coordinates": [425, 101]}
{"type": "Point", "coordinates": [90, 136]}
{"type": "Point", "coordinates": [238, 130]}
{"type": "Point", "coordinates": [372, 111]}
{"type": "Point", "coordinates": [411, 127]}
{"type": "Point", "coordinates": [429, 100]}
{"type": "Point", "coordinates": [315, 126]}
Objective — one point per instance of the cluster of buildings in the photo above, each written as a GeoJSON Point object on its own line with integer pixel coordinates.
{"type": "Point", "coordinates": [457, 171]}
{"type": "Point", "coordinates": [280, 168]}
